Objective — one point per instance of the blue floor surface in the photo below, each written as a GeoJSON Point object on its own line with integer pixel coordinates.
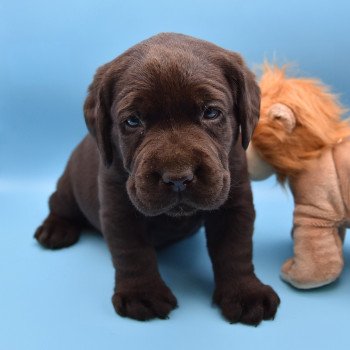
{"type": "Point", "coordinates": [61, 299]}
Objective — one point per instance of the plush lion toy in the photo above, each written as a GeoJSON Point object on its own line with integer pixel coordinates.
{"type": "Point", "coordinates": [301, 138]}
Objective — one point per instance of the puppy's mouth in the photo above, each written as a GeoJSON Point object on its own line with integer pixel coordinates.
{"type": "Point", "coordinates": [181, 209]}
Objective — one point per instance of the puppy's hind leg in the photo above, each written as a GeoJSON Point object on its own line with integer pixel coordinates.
{"type": "Point", "coordinates": [63, 225]}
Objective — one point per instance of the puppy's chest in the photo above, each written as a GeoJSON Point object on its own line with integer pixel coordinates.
{"type": "Point", "coordinates": [164, 230]}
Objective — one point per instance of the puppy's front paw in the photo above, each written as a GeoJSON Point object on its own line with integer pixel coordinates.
{"type": "Point", "coordinates": [56, 233]}
{"type": "Point", "coordinates": [144, 305]}
{"type": "Point", "coordinates": [247, 301]}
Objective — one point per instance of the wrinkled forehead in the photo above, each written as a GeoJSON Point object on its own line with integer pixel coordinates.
{"type": "Point", "coordinates": [172, 85]}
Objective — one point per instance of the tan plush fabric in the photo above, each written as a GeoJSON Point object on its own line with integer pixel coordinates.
{"type": "Point", "coordinates": [342, 162]}
{"type": "Point", "coordinates": [322, 202]}
{"type": "Point", "coordinates": [301, 135]}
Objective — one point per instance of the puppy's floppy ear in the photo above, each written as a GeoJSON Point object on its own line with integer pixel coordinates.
{"type": "Point", "coordinates": [97, 112]}
{"type": "Point", "coordinates": [247, 92]}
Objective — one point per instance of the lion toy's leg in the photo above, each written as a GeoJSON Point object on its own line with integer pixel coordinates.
{"type": "Point", "coordinates": [318, 257]}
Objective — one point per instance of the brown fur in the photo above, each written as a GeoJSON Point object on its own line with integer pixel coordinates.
{"type": "Point", "coordinates": [318, 115]}
{"type": "Point", "coordinates": [117, 180]}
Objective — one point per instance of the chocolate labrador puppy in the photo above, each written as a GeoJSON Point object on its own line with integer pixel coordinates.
{"type": "Point", "coordinates": [169, 120]}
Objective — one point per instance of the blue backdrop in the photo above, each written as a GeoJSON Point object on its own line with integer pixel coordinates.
{"type": "Point", "coordinates": [49, 51]}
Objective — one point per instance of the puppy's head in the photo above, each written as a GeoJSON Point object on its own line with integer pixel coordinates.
{"type": "Point", "coordinates": [172, 109]}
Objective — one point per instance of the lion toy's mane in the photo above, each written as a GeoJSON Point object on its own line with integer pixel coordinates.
{"type": "Point", "coordinates": [318, 123]}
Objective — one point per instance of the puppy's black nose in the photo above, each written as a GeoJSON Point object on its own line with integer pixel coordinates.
{"type": "Point", "coordinates": [178, 182]}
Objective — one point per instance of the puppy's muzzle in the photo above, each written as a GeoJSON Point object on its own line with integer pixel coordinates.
{"type": "Point", "coordinates": [175, 175]}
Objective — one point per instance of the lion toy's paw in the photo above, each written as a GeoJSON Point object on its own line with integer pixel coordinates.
{"type": "Point", "coordinates": [307, 275]}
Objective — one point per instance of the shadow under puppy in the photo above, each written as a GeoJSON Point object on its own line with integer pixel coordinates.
{"type": "Point", "coordinates": [164, 156]}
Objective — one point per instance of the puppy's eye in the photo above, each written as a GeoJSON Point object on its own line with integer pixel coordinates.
{"type": "Point", "coordinates": [133, 122]}
{"type": "Point", "coordinates": [211, 113]}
